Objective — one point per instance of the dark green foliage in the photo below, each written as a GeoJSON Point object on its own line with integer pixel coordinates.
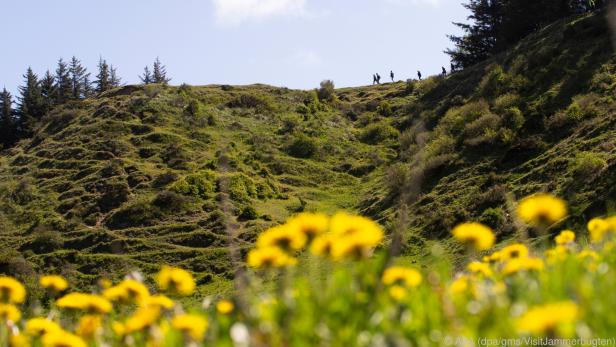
{"type": "Point", "coordinates": [248, 212]}
{"type": "Point", "coordinates": [31, 103]}
{"type": "Point", "coordinates": [48, 91]}
{"type": "Point", "coordinates": [302, 146]}
{"type": "Point", "coordinates": [326, 91]}
{"type": "Point", "coordinates": [159, 73]}
{"type": "Point", "coordinates": [103, 78]}
{"type": "Point", "coordinates": [8, 128]}
{"type": "Point", "coordinates": [146, 78]}
{"type": "Point", "coordinates": [587, 165]}
{"type": "Point", "coordinates": [64, 84]}
{"type": "Point", "coordinates": [378, 132]}
{"type": "Point", "coordinates": [79, 77]}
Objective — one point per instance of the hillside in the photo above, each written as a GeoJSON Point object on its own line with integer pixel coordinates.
{"type": "Point", "coordinates": [144, 175]}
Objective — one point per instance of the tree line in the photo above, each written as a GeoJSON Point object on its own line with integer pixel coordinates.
{"type": "Point", "coordinates": [69, 82]}
{"type": "Point", "coordinates": [497, 24]}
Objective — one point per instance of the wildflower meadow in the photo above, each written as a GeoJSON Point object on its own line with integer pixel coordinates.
{"type": "Point", "coordinates": [321, 280]}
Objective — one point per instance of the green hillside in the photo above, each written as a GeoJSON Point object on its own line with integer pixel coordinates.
{"type": "Point", "coordinates": [144, 175]}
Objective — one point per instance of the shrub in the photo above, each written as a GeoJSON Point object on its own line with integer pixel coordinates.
{"type": "Point", "coordinates": [302, 146]}
{"type": "Point", "coordinates": [587, 165]}
{"type": "Point", "coordinates": [175, 157]}
{"type": "Point", "coordinates": [378, 132]}
{"type": "Point", "coordinates": [384, 109]}
{"type": "Point", "coordinates": [169, 201]}
{"type": "Point", "coordinates": [498, 82]}
{"type": "Point", "coordinates": [259, 103]}
{"type": "Point", "coordinates": [456, 119]}
{"type": "Point", "coordinates": [409, 87]}
{"type": "Point", "coordinates": [193, 109]}
{"type": "Point", "coordinates": [326, 92]}
{"type": "Point", "coordinates": [506, 101]}
{"type": "Point", "coordinates": [512, 118]}
{"type": "Point", "coordinates": [239, 187]}
{"type": "Point", "coordinates": [492, 217]}
{"type": "Point", "coordinates": [197, 185]}
{"type": "Point", "coordinates": [248, 212]}
{"type": "Point", "coordinates": [483, 130]}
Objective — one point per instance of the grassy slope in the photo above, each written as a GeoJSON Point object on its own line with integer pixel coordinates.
{"type": "Point", "coordinates": [137, 176]}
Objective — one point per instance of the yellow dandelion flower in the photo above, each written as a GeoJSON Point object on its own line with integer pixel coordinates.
{"type": "Point", "coordinates": [309, 224]}
{"type": "Point", "coordinates": [459, 285]}
{"type": "Point", "coordinates": [190, 324]}
{"type": "Point", "coordinates": [9, 312]}
{"type": "Point", "coordinates": [89, 326]}
{"type": "Point", "coordinates": [477, 235]}
{"type": "Point", "coordinates": [397, 292]}
{"type": "Point", "coordinates": [523, 264]}
{"type": "Point", "coordinates": [127, 291]}
{"type": "Point", "coordinates": [53, 283]}
{"type": "Point", "coordinates": [480, 269]}
{"type": "Point", "coordinates": [556, 254]}
{"type": "Point", "coordinates": [542, 209]}
{"type": "Point", "coordinates": [344, 225]}
{"type": "Point", "coordinates": [224, 307]}
{"type": "Point", "coordinates": [159, 301]}
{"type": "Point", "coordinates": [62, 338]}
{"type": "Point", "coordinates": [86, 302]}
{"type": "Point", "coordinates": [11, 290]}
{"type": "Point", "coordinates": [492, 258]}
{"type": "Point", "coordinates": [40, 326]}
{"type": "Point", "coordinates": [175, 280]}
{"type": "Point", "coordinates": [565, 237]}
{"type": "Point", "coordinates": [19, 340]}
{"type": "Point", "coordinates": [269, 257]}
{"type": "Point", "coordinates": [588, 254]}
{"type": "Point", "coordinates": [398, 275]}
{"type": "Point", "coordinates": [549, 318]}
{"type": "Point", "coordinates": [516, 250]}
{"type": "Point", "coordinates": [282, 236]}
{"type": "Point", "coordinates": [597, 228]}
{"type": "Point", "coordinates": [323, 244]}
{"type": "Point", "coordinates": [143, 318]}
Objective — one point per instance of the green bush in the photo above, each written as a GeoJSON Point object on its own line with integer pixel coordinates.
{"type": "Point", "coordinates": [493, 217]}
{"type": "Point", "coordinates": [458, 118]}
{"type": "Point", "coordinates": [512, 118]}
{"type": "Point", "coordinates": [199, 185]}
{"type": "Point", "coordinates": [326, 92]}
{"type": "Point", "coordinates": [302, 146]}
{"type": "Point", "coordinates": [384, 109]}
{"type": "Point", "coordinates": [587, 165]}
{"type": "Point", "coordinates": [483, 130]}
{"type": "Point", "coordinates": [378, 132]}
{"type": "Point", "coordinates": [248, 212]}
{"type": "Point", "coordinates": [240, 187]}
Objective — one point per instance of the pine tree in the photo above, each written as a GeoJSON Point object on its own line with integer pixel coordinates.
{"type": "Point", "coordinates": [159, 74]}
{"type": "Point", "coordinates": [78, 75]}
{"type": "Point", "coordinates": [7, 121]}
{"type": "Point", "coordinates": [64, 86]}
{"type": "Point", "coordinates": [31, 107]}
{"type": "Point", "coordinates": [102, 79]}
{"type": "Point", "coordinates": [146, 78]}
{"type": "Point", "coordinates": [48, 91]}
{"type": "Point", "coordinates": [114, 80]}
{"type": "Point", "coordinates": [87, 87]}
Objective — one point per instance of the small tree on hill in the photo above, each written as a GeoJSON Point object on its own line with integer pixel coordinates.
{"type": "Point", "coordinates": [30, 107]}
{"type": "Point", "coordinates": [159, 74]}
{"type": "Point", "coordinates": [64, 85]}
{"type": "Point", "coordinates": [114, 79]}
{"type": "Point", "coordinates": [146, 78]}
{"type": "Point", "coordinates": [326, 91]}
{"type": "Point", "coordinates": [7, 121]}
{"type": "Point", "coordinates": [78, 76]}
{"type": "Point", "coordinates": [103, 79]}
{"type": "Point", "coordinates": [48, 91]}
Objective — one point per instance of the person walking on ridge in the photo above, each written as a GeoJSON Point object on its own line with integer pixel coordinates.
{"type": "Point", "coordinates": [378, 78]}
{"type": "Point", "coordinates": [391, 74]}
{"type": "Point", "coordinates": [419, 74]}
{"type": "Point", "coordinates": [373, 79]}
{"type": "Point", "coordinates": [444, 71]}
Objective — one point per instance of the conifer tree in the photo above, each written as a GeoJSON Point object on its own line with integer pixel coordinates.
{"type": "Point", "coordinates": [159, 74]}
{"type": "Point", "coordinates": [64, 87]}
{"type": "Point", "coordinates": [8, 133]}
{"type": "Point", "coordinates": [87, 87]}
{"type": "Point", "coordinates": [48, 91]}
{"type": "Point", "coordinates": [114, 79]}
{"type": "Point", "coordinates": [146, 78]}
{"type": "Point", "coordinates": [78, 75]}
{"type": "Point", "coordinates": [30, 108]}
{"type": "Point", "coordinates": [103, 82]}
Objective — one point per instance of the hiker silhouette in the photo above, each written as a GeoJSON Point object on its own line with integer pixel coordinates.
{"type": "Point", "coordinates": [378, 79]}
{"type": "Point", "coordinates": [444, 71]}
{"type": "Point", "coordinates": [391, 74]}
{"type": "Point", "coordinates": [452, 68]}
{"type": "Point", "coordinates": [419, 74]}
{"type": "Point", "coordinates": [373, 79]}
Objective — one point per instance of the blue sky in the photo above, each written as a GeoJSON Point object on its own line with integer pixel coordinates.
{"type": "Point", "coordinates": [292, 43]}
